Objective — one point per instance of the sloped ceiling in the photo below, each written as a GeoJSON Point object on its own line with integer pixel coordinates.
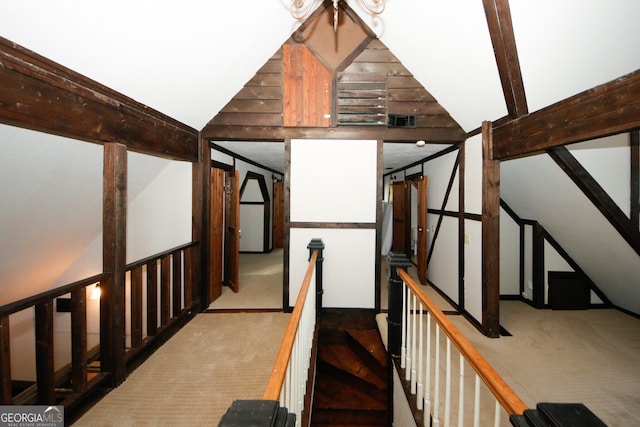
{"type": "Point", "coordinates": [188, 59]}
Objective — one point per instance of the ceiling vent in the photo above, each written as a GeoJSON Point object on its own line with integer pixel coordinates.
{"type": "Point", "coordinates": [361, 99]}
{"type": "Point", "coordinates": [402, 121]}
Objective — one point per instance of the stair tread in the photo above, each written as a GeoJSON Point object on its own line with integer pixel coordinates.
{"type": "Point", "coordinates": [341, 356]}
{"type": "Point", "coordinates": [330, 393]}
{"type": "Point", "coordinates": [370, 340]}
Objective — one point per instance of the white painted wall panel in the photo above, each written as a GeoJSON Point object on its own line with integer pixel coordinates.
{"type": "Point", "coordinates": [473, 269]}
{"type": "Point", "coordinates": [349, 265]}
{"type": "Point", "coordinates": [509, 255]}
{"type": "Point", "coordinates": [473, 175]}
{"type": "Point", "coordinates": [252, 226]}
{"type": "Point", "coordinates": [333, 181]}
{"type": "Point", "coordinates": [443, 267]}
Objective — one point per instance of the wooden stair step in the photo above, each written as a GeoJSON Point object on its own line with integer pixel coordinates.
{"type": "Point", "coordinates": [331, 393]}
{"type": "Point", "coordinates": [343, 358]}
{"type": "Point", "coordinates": [349, 417]}
{"type": "Point", "coordinates": [369, 339]}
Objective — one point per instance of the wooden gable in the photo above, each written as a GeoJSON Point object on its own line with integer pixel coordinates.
{"type": "Point", "coordinates": [324, 84]}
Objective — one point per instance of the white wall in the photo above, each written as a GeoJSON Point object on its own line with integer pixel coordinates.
{"type": "Point", "coordinates": [509, 255]}
{"type": "Point", "coordinates": [328, 186]}
{"type": "Point", "coordinates": [473, 229]}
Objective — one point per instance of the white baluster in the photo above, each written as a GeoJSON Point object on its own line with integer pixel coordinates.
{"type": "Point", "coordinates": [447, 386]}
{"type": "Point", "coordinates": [427, 397]}
{"type": "Point", "coordinates": [436, 384]}
{"type": "Point", "coordinates": [476, 403]}
{"type": "Point", "coordinates": [407, 371]}
{"type": "Point", "coordinates": [496, 416]}
{"type": "Point", "coordinates": [403, 348]}
{"type": "Point", "coordinates": [420, 396]}
{"type": "Point", "coordinates": [413, 346]}
{"type": "Point", "coordinates": [461, 395]}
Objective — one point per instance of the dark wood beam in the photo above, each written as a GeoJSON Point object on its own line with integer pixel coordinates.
{"type": "Point", "coordinates": [635, 177]}
{"type": "Point", "coordinates": [5, 361]}
{"type": "Point", "coordinates": [39, 94]}
{"type": "Point", "coordinates": [504, 47]}
{"type": "Point", "coordinates": [604, 110]}
{"type": "Point", "coordinates": [598, 196]}
{"type": "Point", "coordinates": [114, 245]}
{"type": "Point", "coordinates": [443, 135]}
{"type": "Point", "coordinates": [490, 236]}
{"type": "Point", "coordinates": [45, 371]}
{"type": "Point", "coordinates": [201, 226]}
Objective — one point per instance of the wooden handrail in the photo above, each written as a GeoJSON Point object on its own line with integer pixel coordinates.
{"type": "Point", "coordinates": [272, 392]}
{"type": "Point", "coordinates": [149, 259]}
{"type": "Point", "coordinates": [24, 303]}
{"type": "Point", "coordinates": [494, 382]}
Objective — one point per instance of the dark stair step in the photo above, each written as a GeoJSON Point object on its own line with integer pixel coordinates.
{"type": "Point", "coordinates": [342, 357]}
{"type": "Point", "coordinates": [349, 417]}
{"type": "Point", "coordinates": [350, 381]}
{"type": "Point", "coordinates": [368, 340]}
{"type": "Point", "coordinates": [331, 393]}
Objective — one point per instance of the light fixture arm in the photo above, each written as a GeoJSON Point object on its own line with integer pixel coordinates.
{"type": "Point", "coordinates": [300, 9]}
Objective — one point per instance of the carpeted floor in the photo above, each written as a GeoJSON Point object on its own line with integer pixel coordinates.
{"type": "Point", "coordinates": [260, 283]}
{"type": "Point", "coordinates": [196, 375]}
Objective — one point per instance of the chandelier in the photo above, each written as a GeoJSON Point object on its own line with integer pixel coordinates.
{"type": "Point", "coordinates": [300, 9]}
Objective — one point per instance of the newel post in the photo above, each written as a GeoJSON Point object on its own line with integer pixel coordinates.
{"type": "Point", "coordinates": [317, 244]}
{"type": "Point", "coordinates": [394, 318]}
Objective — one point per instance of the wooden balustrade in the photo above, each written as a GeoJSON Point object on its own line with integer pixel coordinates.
{"type": "Point", "coordinates": [415, 302]}
{"type": "Point", "coordinates": [176, 287]}
{"type": "Point", "coordinates": [46, 378]}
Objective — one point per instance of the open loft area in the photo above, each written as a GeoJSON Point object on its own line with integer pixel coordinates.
{"type": "Point", "coordinates": [499, 155]}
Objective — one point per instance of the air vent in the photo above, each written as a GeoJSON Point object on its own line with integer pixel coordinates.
{"type": "Point", "coordinates": [402, 121]}
{"type": "Point", "coordinates": [362, 99]}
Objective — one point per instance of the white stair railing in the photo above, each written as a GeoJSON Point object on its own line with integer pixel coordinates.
{"type": "Point", "coordinates": [427, 336]}
{"type": "Point", "coordinates": [288, 381]}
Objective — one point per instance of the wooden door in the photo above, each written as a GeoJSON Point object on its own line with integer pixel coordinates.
{"type": "Point", "coordinates": [232, 237]}
{"type": "Point", "coordinates": [399, 242]}
{"type": "Point", "coordinates": [422, 230]}
{"type": "Point", "coordinates": [217, 225]}
{"type": "Point", "coordinates": [278, 215]}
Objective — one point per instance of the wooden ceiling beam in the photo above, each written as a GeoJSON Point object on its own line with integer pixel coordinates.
{"type": "Point", "coordinates": [39, 94]}
{"type": "Point", "coordinates": [264, 133]}
{"type": "Point", "coordinates": [607, 109]}
{"type": "Point", "coordinates": [504, 47]}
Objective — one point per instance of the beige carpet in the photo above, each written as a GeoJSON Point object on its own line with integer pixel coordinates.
{"type": "Point", "coordinates": [195, 376]}
{"type": "Point", "coordinates": [260, 283]}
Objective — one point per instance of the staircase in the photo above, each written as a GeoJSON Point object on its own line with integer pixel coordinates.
{"type": "Point", "coordinates": [351, 374]}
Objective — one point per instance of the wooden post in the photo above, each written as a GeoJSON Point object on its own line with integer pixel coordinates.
{"type": "Point", "coordinates": [112, 300]}
{"type": "Point", "coordinates": [79, 339]}
{"type": "Point", "coordinates": [152, 298]}
{"type": "Point", "coordinates": [165, 290]}
{"type": "Point", "coordinates": [136, 307]}
{"type": "Point", "coordinates": [201, 212]}
{"type": "Point", "coordinates": [45, 373]}
{"type": "Point", "coordinates": [5, 362]}
{"type": "Point", "coordinates": [317, 245]}
{"type": "Point", "coordinates": [176, 282]}
{"type": "Point", "coordinates": [490, 235]}
{"type": "Point", "coordinates": [394, 319]}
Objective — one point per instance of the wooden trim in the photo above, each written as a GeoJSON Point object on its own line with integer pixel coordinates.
{"type": "Point", "coordinates": [344, 225]}
{"type": "Point", "coordinates": [272, 391]}
{"type": "Point", "coordinates": [287, 224]}
{"type": "Point", "coordinates": [462, 155]}
{"type": "Point", "coordinates": [504, 46]}
{"type": "Point", "coordinates": [453, 214]}
{"type": "Point", "coordinates": [498, 387]}
{"type": "Point", "coordinates": [379, 191]}
{"type": "Point", "coordinates": [165, 290]}
{"type": "Point", "coordinates": [37, 93]}
{"type": "Point", "coordinates": [634, 142]}
{"type": "Point", "coordinates": [114, 243]}
{"type": "Point", "coordinates": [238, 157]}
{"type": "Point", "coordinates": [538, 274]}
{"type": "Point", "coordinates": [608, 109]}
{"type": "Point", "coordinates": [152, 298]}
{"type": "Point", "coordinates": [439, 135]}
{"type": "Point", "coordinates": [201, 226]}
{"type": "Point", "coordinates": [598, 196]}
{"type": "Point", "coordinates": [176, 283]}
{"type": "Point", "coordinates": [441, 212]}
{"type": "Point", "coordinates": [490, 236]}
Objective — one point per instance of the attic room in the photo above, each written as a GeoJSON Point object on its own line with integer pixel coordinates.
{"type": "Point", "coordinates": [538, 82]}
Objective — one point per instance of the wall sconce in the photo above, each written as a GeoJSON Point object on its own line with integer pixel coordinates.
{"type": "Point", "coordinates": [96, 292]}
